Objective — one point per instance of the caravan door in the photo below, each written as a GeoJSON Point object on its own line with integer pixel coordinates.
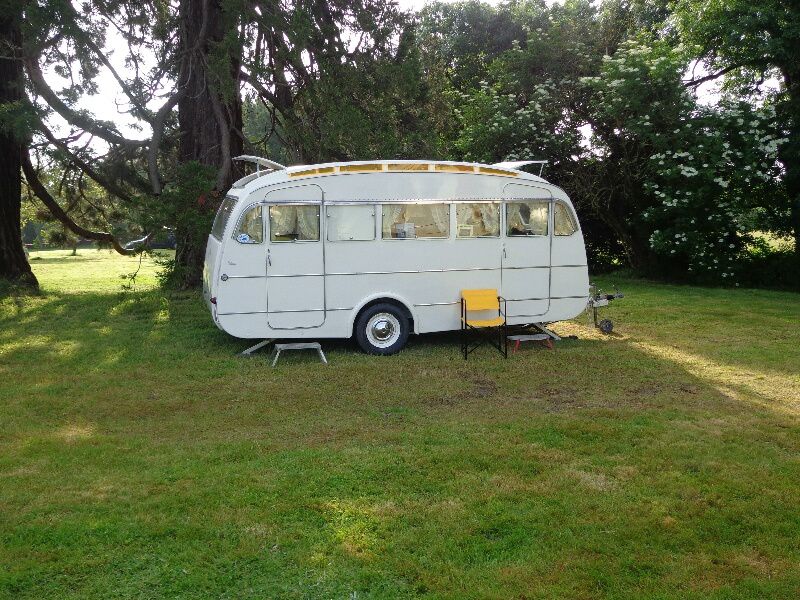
{"type": "Point", "coordinates": [295, 258]}
{"type": "Point", "coordinates": [525, 255]}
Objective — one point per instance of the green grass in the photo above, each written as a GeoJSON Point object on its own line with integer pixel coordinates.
{"type": "Point", "coordinates": [139, 458]}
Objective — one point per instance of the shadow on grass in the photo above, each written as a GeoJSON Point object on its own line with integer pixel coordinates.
{"type": "Point", "coordinates": [113, 332]}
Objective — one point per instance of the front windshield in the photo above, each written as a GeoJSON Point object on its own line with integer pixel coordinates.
{"type": "Point", "coordinates": [223, 214]}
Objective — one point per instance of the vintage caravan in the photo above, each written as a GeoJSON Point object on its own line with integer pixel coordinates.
{"type": "Point", "coordinates": [379, 250]}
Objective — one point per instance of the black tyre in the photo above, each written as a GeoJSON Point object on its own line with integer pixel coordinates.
{"type": "Point", "coordinates": [606, 326]}
{"type": "Point", "coordinates": [382, 329]}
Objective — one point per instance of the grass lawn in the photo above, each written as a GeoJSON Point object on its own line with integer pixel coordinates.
{"type": "Point", "coordinates": [139, 458]}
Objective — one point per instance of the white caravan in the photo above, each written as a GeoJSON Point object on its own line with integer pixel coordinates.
{"type": "Point", "coordinates": [382, 249]}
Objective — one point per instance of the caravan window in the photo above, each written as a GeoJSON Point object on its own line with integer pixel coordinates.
{"type": "Point", "coordinates": [350, 222]}
{"type": "Point", "coordinates": [223, 214]}
{"type": "Point", "coordinates": [563, 221]}
{"type": "Point", "coordinates": [527, 218]}
{"type": "Point", "coordinates": [294, 223]}
{"type": "Point", "coordinates": [251, 227]}
{"type": "Point", "coordinates": [478, 220]}
{"type": "Point", "coordinates": [402, 221]}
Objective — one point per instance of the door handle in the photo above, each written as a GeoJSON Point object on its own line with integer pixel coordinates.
{"type": "Point", "coordinates": [269, 259]}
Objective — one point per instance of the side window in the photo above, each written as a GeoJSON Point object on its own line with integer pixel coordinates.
{"type": "Point", "coordinates": [402, 221]}
{"type": "Point", "coordinates": [526, 218]}
{"type": "Point", "coordinates": [478, 220]}
{"type": "Point", "coordinates": [251, 227]}
{"type": "Point", "coordinates": [223, 214]}
{"type": "Point", "coordinates": [563, 221]}
{"type": "Point", "coordinates": [294, 223]}
{"type": "Point", "coordinates": [350, 222]}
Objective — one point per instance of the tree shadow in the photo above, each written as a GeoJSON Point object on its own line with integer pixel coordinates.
{"type": "Point", "coordinates": [90, 332]}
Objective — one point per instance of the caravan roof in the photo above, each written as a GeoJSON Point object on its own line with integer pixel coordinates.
{"type": "Point", "coordinates": [266, 167]}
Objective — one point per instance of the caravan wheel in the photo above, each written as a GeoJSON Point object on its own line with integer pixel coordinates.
{"type": "Point", "coordinates": [382, 329]}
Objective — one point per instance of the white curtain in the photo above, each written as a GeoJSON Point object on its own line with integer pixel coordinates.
{"type": "Point", "coordinates": [514, 218]}
{"type": "Point", "coordinates": [441, 217]}
{"type": "Point", "coordinates": [253, 226]}
{"type": "Point", "coordinates": [491, 218]}
{"type": "Point", "coordinates": [307, 222]}
{"type": "Point", "coordinates": [283, 221]}
{"type": "Point", "coordinates": [391, 216]}
{"type": "Point", "coordinates": [538, 218]}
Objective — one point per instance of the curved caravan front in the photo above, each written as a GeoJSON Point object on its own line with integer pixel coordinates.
{"type": "Point", "coordinates": [304, 252]}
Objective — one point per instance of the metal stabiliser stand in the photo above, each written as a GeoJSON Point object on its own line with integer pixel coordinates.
{"type": "Point", "coordinates": [597, 299]}
{"type": "Point", "coordinates": [258, 346]}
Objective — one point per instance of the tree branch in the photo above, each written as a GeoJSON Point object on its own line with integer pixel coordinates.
{"type": "Point", "coordinates": [83, 165]}
{"type": "Point", "coordinates": [73, 117]}
{"type": "Point", "coordinates": [155, 140]}
{"type": "Point", "coordinates": [711, 77]}
{"type": "Point", "coordinates": [59, 213]}
{"type": "Point", "coordinates": [139, 108]}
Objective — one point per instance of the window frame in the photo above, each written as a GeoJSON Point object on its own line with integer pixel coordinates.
{"type": "Point", "coordinates": [240, 220]}
{"type": "Point", "coordinates": [447, 203]}
{"type": "Point", "coordinates": [572, 217]}
{"type": "Point", "coordinates": [318, 206]}
{"type": "Point", "coordinates": [498, 203]}
{"type": "Point", "coordinates": [373, 206]}
{"type": "Point", "coordinates": [221, 236]}
{"type": "Point", "coordinates": [546, 201]}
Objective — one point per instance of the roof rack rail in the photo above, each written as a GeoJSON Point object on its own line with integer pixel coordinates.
{"type": "Point", "coordinates": [517, 164]}
{"type": "Point", "coordinates": [261, 162]}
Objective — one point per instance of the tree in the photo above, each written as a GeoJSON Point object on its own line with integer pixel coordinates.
{"type": "Point", "coordinates": [209, 126]}
{"type": "Point", "coordinates": [755, 40]}
{"type": "Point", "coordinates": [13, 264]}
{"type": "Point", "coordinates": [292, 57]}
{"type": "Point", "coordinates": [677, 181]}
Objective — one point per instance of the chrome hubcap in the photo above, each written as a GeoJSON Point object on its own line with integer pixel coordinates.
{"type": "Point", "coordinates": [383, 330]}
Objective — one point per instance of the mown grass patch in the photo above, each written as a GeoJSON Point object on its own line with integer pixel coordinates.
{"type": "Point", "coordinates": [139, 457]}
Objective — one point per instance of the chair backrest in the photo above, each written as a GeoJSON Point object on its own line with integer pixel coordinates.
{"type": "Point", "coordinates": [480, 299]}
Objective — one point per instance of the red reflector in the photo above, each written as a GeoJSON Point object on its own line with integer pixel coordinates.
{"type": "Point", "coordinates": [213, 300]}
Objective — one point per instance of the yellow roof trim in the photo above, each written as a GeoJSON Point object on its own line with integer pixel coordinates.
{"type": "Point", "coordinates": [309, 172]}
{"type": "Point", "coordinates": [399, 167]}
{"type": "Point", "coordinates": [369, 168]}
{"type": "Point", "coordinates": [493, 171]}
{"type": "Point", "coordinates": [456, 168]}
{"type": "Point", "coordinates": [409, 166]}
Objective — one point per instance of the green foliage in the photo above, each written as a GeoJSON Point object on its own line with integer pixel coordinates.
{"type": "Point", "coordinates": [661, 181]}
{"type": "Point", "coordinates": [188, 205]}
{"type": "Point", "coordinates": [389, 110]}
{"type": "Point", "coordinates": [17, 119]}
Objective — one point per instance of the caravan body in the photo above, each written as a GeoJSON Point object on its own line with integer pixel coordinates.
{"type": "Point", "coordinates": [383, 249]}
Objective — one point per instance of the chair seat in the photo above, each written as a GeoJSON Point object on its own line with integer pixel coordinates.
{"type": "Point", "coordinates": [485, 322]}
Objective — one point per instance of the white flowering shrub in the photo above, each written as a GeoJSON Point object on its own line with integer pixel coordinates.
{"type": "Point", "coordinates": [706, 175]}
{"type": "Point", "coordinates": [501, 125]}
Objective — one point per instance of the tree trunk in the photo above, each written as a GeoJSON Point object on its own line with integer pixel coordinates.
{"type": "Point", "coordinates": [13, 264]}
{"type": "Point", "coordinates": [209, 122]}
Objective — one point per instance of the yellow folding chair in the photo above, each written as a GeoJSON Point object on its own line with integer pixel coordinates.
{"type": "Point", "coordinates": [480, 329]}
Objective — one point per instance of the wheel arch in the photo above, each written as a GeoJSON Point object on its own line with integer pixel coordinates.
{"type": "Point", "coordinates": [393, 299]}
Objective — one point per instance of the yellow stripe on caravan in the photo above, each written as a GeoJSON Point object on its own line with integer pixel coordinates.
{"type": "Point", "coordinates": [456, 168]}
{"type": "Point", "coordinates": [309, 172]}
{"type": "Point", "coordinates": [360, 168]}
{"type": "Point", "coordinates": [409, 167]}
{"type": "Point", "coordinates": [415, 167]}
{"type": "Point", "coordinates": [491, 171]}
